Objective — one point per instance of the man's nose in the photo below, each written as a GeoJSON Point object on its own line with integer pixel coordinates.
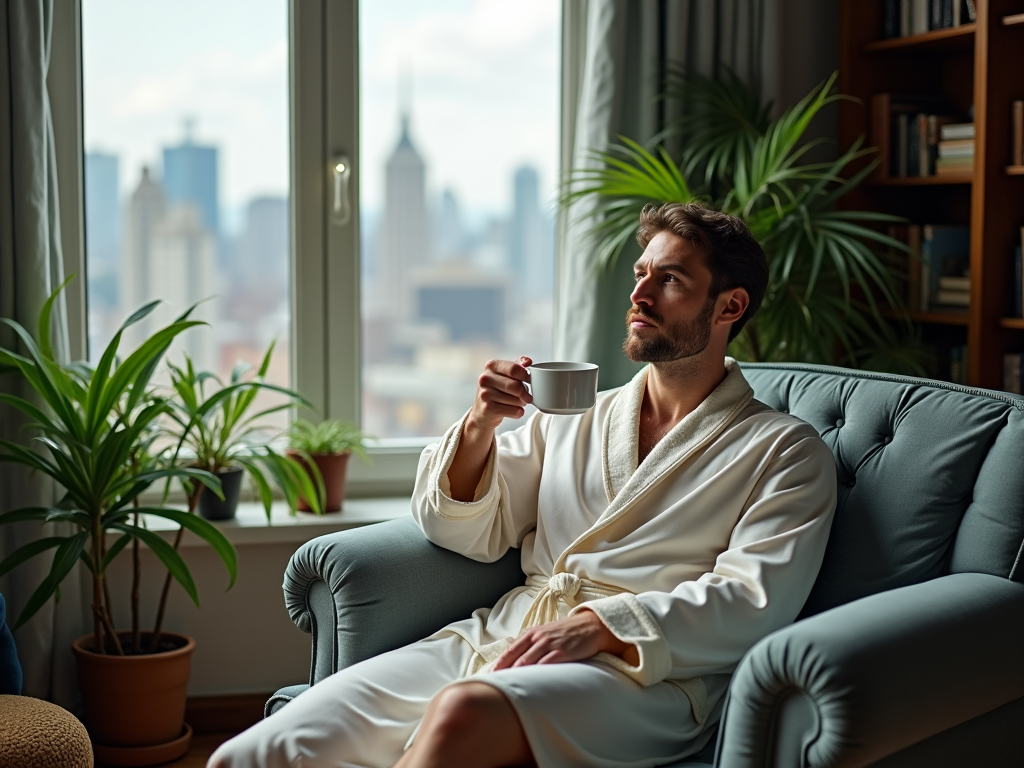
{"type": "Point", "coordinates": [640, 293]}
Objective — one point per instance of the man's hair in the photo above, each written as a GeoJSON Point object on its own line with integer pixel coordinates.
{"type": "Point", "coordinates": [731, 253]}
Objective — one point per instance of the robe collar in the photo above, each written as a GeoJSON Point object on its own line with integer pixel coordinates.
{"type": "Point", "coordinates": [623, 473]}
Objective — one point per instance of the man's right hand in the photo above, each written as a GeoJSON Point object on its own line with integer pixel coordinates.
{"type": "Point", "coordinates": [501, 393]}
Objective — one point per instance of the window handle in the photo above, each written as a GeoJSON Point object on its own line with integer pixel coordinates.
{"type": "Point", "coordinates": [341, 208]}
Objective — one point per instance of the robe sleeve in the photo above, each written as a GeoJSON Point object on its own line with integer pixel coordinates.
{"type": "Point", "coordinates": [757, 585]}
{"type": "Point", "coordinates": [504, 507]}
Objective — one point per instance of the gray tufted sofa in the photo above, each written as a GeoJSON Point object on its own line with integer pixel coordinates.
{"type": "Point", "coordinates": [910, 649]}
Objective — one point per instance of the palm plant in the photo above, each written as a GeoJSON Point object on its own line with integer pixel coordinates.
{"type": "Point", "coordinates": [831, 271]}
{"type": "Point", "coordinates": [93, 434]}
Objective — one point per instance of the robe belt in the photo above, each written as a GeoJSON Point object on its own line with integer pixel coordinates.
{"type": "Point", "coordinates": [562, 587]}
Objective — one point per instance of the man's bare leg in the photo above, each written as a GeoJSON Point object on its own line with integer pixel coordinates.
{"type": "Point", "coordinates": [472, 725]}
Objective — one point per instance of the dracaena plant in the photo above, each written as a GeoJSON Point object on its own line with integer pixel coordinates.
{"type": "Point", "coordinates": [91, 430]}
{"type": "Point", "coordinates": [831, 271]}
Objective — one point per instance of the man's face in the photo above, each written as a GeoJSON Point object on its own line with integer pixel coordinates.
{"type": "Point", "coordinates": [671, 316]}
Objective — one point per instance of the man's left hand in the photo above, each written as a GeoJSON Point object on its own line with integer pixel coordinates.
{"type": "Point", "coordinates": [576, 638]}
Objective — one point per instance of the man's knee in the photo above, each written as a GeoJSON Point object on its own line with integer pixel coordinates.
{"type": "Point", "coordinates": [468, 708]}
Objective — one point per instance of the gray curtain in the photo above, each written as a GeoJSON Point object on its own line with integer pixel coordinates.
{"type": "Point", "coordinates": [614, 57]}
{"type": "Point", "coordinates": [31, 267]}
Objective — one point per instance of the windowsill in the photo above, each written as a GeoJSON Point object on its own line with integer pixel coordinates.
{"type": "Point", "coordinates": [250, 525]}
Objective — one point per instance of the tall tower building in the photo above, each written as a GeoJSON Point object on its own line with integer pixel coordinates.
{"type": "Point", "coordinates": [405, 236]}
{"type": "Point", "coordinates": [190, 176]}
{"type": "Point", "coordinates": [102, 226]}
{"type": "Point", "coordinates": [531, 239]}
{"type": "Point", "coordinates": [146, 207]}
{"type": "Point", "coordinates": [262, 256]}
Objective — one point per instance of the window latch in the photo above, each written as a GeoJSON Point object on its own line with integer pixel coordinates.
{"type": "Point", "coordinates": [341, 208]}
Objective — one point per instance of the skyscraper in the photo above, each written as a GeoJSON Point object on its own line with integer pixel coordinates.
{"type": "Point", "coordinates": [190, 176]}
{"type": "Point", "coordinates": [404, 241]}
{"type": "Point", "coordinates": [146, 208]}
{"type": "Point", "coordinates": [102, 226]}
{"type": "Point", "coordinates": [531, 239]}
{"type": "Point", "coordinates": [262, 255]}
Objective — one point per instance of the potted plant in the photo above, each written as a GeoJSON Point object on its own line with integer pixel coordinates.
{"type": "Point", "coordinates": [221, 434]}
{"type": "Point", "coordinates": [827, 284]}
{"type": "Point", "coordinates": [324, 449]}
{"type": "Point", "coordinates": [92, 430]}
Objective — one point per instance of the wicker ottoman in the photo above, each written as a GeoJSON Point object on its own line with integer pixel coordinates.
{"type": "Point", "coordinates": [39, 734]}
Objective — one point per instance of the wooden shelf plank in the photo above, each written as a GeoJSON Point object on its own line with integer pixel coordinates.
{"type": "Point", "coordinates": [1017, 18]}
{"type": "Point", "coordinates": [940, 318]}
{"type": "Point", "coordinates": [939, 39]}
{"type": "Point", "coordinates": [1012, 322]}
{"type": "Point", "coordinates": [1015, 170]}
{"type": "Point", "coordinates": [915, 181]}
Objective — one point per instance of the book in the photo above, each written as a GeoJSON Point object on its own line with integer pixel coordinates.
{"type": "Point", "coordinates": [945, 251]}
{"type": "Point", "coordinates": [935, 14]}
{"type": "Point", "coordinates": [904, 18]}
{"type": "Point", "coordinates": [954, 165]}
{"type": "Point", "coordinates": [891, 19]}
{"type": "Point", "coordinates": [1018, 133]}
{"type": "Point", "coordinates": [967, 150]}
{"type": "Point", "coordinates": [1017, 284]}
{"type": "Point", "coordinates": [957, 131]}
{"type": "Point", "coordinates": [953, 298]}
{"type": "Point", "coordinates": [1013, 376]}
{"type": "Point", "coordinates": [919, 17]}
{"type": "Point", "coordinates": [892, 120]}
{"type": "Point", "coordinates": [972, 11]}
{"type": "Point", "coordinates": [954, 283]}
{"type": "Point", "coordinates": [914, 268]}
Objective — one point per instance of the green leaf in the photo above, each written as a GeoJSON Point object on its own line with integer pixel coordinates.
{"type": "Point", "coordinates": [171, 559]}
{"type": "Point", "coordinates": [28, 551]}
{"type": "Point", "coordinates": [205, 531]}
{"type": "Point", "coordinates": [64, 559]}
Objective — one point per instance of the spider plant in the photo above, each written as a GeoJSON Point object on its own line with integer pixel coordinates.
{"type": "Point", "coordinates": [832, 272]}
{"type": "Point", "coordinates": [330, 436]}
{"type": "Point", "coordinates": [219, 431]}
{"type": "Point", "coordinates": [91, 429]}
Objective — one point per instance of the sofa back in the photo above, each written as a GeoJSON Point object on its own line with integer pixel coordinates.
{"type": "Point", "coordinates": [931, 476]}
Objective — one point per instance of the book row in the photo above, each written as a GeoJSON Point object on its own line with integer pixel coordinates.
{"type": "Point", "coordinates": [901, 18]}
{"type": "Point", "coordinates": [916, 138]}
{"type": "Point", "coordinates": [938, 260]}
{"type": "Point", "coordinates": [1013, 362]}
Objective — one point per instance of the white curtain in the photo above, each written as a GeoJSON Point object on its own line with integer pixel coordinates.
{"type": "Point", "coordinates": [31, 267]}
{"type": "Point", "coordinates": [614, 58]}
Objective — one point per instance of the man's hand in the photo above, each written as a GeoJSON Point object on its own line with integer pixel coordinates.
{"type": "Point", "coordinates": [501, 393]}
{"type": "Point", "coordinates": [577, 638]}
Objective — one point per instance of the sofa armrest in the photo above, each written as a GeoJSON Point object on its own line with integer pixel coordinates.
{"type": "Point", "coordinates": [368, 590]}
{"type": "Point", "coordinates": [851, 685]}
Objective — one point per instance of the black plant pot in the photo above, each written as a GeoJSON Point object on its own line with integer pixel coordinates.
{"type": "Point", "coordinates": [213, 508]}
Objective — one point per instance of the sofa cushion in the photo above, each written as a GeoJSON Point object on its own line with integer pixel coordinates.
{"type": "Point", "coordinates": [10, 669]}
{"type": "Point", "coordinates": [931, 476]}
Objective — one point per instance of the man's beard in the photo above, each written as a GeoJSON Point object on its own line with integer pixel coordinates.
{"type": "Point", "coordinates": [675, 342]}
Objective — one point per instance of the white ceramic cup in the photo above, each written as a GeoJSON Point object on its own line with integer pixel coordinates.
{"type": "Point", "coordinates": [563, 388]}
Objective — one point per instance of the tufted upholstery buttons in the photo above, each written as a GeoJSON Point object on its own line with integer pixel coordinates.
{"type": "Point", "coordinates": [839, 423]}
{"type": "Point", "coordinates": [887, 439]}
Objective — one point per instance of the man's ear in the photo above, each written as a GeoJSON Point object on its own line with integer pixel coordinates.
{"type": "Point", "coordinates": [731, 305]}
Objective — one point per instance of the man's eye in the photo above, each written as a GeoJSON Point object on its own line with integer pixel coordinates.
{"type": "Point", "coordinates": [637, 276]}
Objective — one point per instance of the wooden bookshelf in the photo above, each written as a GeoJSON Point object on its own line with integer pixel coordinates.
{"type": "Point", "coordinates": [964, 66]}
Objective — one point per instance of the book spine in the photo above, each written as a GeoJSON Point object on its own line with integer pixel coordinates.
{"type": "Point", "coordinates": [957, 5]}
{"type": "Point", "coordinates": [923, 150]}
{"type": "Point", "coordinates": [919, 17]}
{"type": "Point", "coordinates": [1012, 363]}
{"type": "Point", "coordinates": [947, 13]}
{"type": "Point", "coordinates": [1018, 133]}
{"type": "Point", "coordinates": [1017, 285]}
{"type": "Point", "coordinates": [904, 18]}
{"type": "Point", "coordinates": [926, 269]}
{"type": "Point", "coordinates": [914, 300]}
{"type": "Point", "coordinates": [935, 14]}
{"type": "Point", "coordinates": [913, 148]}
{"type": "Point", "coordinates": [891, 19]}
{"type": "Point", "coordinates": [972, 11]}
{"type": "Point", "coordinates": [902, 124]}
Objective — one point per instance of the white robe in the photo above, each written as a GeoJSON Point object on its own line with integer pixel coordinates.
{"type": "Point", "coordinates": [713, 542]}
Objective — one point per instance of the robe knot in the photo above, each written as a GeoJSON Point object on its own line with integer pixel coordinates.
{"type": "Point", "coordinates": [565, 586]}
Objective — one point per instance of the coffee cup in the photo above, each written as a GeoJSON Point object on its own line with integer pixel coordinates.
{"type": "Point", "coordinates": [563, 388]}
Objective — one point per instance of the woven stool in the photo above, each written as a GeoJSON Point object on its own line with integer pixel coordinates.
{"type": "Point", "coordinates": [42, 735]}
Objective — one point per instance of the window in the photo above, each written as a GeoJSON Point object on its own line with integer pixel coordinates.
{"type": "Point", "coordinates": [211, 133]}
{"type": "Point", "coordinates": [185, 115]}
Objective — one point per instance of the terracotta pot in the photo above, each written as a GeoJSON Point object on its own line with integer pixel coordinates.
{"type": "Point", "coordinates": [333, 468]}
{"type": "Point", "coordinates": [134, 701]}
{"type": "Point", "coordinates": [212, 508]}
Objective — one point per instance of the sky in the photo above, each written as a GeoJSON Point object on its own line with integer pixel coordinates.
{"type": "Point", "coordinates": [483, 73]}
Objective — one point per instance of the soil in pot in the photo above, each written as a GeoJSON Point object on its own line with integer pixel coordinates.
{"type": "Point", "coordinates": [213, 508]}
{"type": "Point", "coordinates": [135, 701]}
{"type": "Point", "coordinates": [333, 468]}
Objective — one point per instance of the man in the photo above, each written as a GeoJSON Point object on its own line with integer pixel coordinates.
{"type": "Point", "coordinates": [663, 533]}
